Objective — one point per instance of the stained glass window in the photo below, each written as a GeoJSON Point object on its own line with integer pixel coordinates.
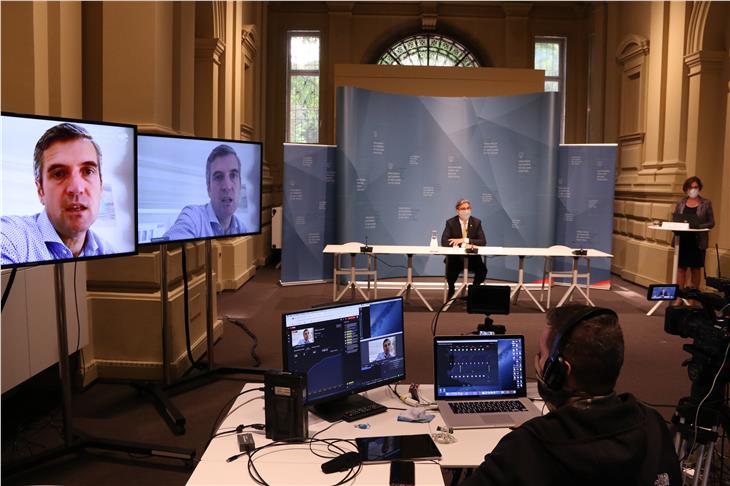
{"type": "Point", "coordinates": [428, 50]}
{"type": "Point", "coordinates": [302, 123]}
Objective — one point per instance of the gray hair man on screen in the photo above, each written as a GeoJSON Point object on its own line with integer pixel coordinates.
{"type": "Point", "coordinates": [217, 217]}
{"type": "Point", "coordinates": [67, 169]}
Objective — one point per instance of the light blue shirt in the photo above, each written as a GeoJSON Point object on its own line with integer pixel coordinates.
{"type": "Point", "coordinates": [200, 221]}
{"type": "Point", "coordinates": [383, 355]}
{"type": "Point", "coordinates": [27, 239]}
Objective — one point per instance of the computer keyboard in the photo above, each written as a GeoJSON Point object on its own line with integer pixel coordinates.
{"type": "Point", "coordinates": [492, 406]}
{"type": "Point", "coordinates": [362, 412]}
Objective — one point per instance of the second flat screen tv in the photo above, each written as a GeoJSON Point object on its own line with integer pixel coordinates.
{"type": "Point", "coordinates": [197, 188]}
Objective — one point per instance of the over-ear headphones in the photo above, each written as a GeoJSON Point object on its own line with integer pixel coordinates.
{"type": "Point", "coordinates": [555, 372]}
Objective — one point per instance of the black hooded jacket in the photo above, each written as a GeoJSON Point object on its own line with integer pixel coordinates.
{"type": "Point", "coordinates": [621, 442]}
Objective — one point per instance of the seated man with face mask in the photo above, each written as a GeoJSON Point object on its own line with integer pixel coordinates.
{"type": "Point", "coordinates": [592, 435]}
{"type": "Point", "coordinates": [463, 231]}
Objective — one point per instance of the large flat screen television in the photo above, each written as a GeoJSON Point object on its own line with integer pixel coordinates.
{"type": "Point", "coordinates": [197, 188]}
{"type": "Point", "coordinates": [69, 190]}
{"type": "Point", "coordinates": [345, 349]}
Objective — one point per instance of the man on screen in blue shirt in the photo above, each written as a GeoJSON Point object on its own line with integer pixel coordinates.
{"type": "Point", "coordinates": [387, 352]}
{"type": "Point", "coordinates": [305, 339]}
{"type": "Point", "coordinates": [67, 169]}
{"type": "Point", "coordinates": [216, 218]}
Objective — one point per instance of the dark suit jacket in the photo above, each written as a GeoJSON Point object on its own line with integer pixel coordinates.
{"type": "Point", "coordinates": [704, 214]}
{"type": "Point", "coordinates": [474, 231]}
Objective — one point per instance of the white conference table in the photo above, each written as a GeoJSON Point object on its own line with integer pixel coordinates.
{"type": "Point", "coordinates": [295, 465]}
{"type": "Point", "coordinates": [353, 249]}
{"type": "Point", "coordinates": [676, 254]}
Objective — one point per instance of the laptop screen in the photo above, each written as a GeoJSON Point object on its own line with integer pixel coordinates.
{"type": "Point", "coordinates": [467, 367]}
{"type": "Point", "coordinates": [692, 219]}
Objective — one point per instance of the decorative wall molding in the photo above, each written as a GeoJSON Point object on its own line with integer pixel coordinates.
{"type": "Point", "coordinates": [429, 16]}
{"type": "Point", "coordinates": [696, 30]}
{"type": "Point", "coordinates": [705, 61]}
{"type": "Point", "coordinates": [631, 138]}
{"type": "Point", "coordinates": [247, 131]}
{"type": "Point", "coordinates": [248, 42]}
{"type": "Point", "coordinates": [631, 48]}
{"type": "Point", "coordinates": [209, 50]}
{"type": "Point", "coordinates": [219, 19]}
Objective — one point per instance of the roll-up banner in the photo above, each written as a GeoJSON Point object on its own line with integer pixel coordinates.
{"type": "Point", "coordinates": [309, 217]}
{"type": "Point", "coordinates": [584, 218]}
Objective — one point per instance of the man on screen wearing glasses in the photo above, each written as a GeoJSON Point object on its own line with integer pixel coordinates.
{"type": "Point", "coordinates": [216, 218]}
{"type": "Point", "coordinates": [67, 169]}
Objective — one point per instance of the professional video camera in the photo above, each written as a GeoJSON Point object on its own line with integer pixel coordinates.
{"type": "Point", "coordinates": [698, 417]}
{"type": "Point", "coordinates": [709, 327]}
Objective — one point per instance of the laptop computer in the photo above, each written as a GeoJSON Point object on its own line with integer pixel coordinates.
{"type": "Point", "coordinates": [692, 219]}
{"type": "Point", "coordinates": [479, 381]}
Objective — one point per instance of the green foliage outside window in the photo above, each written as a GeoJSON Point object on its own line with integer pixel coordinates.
{"type": "Point", "coordinates": [303, 96]}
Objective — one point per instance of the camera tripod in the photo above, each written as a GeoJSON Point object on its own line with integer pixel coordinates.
{"type": "Point", "coordinates": [713, 415]}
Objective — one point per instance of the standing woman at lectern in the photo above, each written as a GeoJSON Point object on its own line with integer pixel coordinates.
{"type": "Point", "coordinates": [692, 245]}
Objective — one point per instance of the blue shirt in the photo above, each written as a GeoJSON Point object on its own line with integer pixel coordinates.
{"type": "Point", "coordinates": [200, 221]}
{"type": "Point", "coordinates": [27, 239]}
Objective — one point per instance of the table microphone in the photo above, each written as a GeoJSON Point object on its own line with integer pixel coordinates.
{"type": "Point", "coordinates": [366, 248]}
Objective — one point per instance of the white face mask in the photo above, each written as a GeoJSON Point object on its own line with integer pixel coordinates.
{"type": "Point", "coordinates": [464, 214]}
{"type": "Point", "coordinates": [693, 192]}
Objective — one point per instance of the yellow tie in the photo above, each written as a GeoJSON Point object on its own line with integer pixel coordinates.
{"type": "Point", "coordinates": [463, 229]}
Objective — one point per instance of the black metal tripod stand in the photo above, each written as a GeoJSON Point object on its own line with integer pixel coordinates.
{"type": "Point", "coordinates": [699, 430]}
{"type": "Point", "coordinates": [75, 440]}
{"type": "Point", "coordinates": [165, 407]}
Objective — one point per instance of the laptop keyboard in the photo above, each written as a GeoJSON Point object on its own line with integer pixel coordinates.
{"type": "Point", "coordinates": [489, 406]}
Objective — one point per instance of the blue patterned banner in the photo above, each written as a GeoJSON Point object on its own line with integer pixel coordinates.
{"type": "Point", "coordinates": [403, 162]}
{"type": "Point", "coordinates": [584, 218]}
{"type": "Point", "coordinates": [308, 223]}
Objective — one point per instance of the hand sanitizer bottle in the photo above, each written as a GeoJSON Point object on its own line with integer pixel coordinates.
{"type": "Point", "coordinates": [434, 242]}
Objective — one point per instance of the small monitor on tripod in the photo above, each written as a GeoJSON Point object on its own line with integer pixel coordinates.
{"type": "Point", "coordinates": [487, 300]}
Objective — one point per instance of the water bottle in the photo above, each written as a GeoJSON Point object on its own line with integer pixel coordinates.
{"type": "Point", "coordinates": [434, 242]}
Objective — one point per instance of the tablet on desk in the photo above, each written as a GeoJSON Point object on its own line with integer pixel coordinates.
{"type": "Point", "coordinates": [397, 448]}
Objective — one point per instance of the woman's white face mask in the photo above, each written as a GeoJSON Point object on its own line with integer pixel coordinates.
{"type": "Point", "coordinates": [694, 192]}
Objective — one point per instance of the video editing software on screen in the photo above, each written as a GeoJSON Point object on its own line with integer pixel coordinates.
{"type": "Point", "coordinates": [490, 367]}
{"type": "Point", "coordinates": [347, 348]}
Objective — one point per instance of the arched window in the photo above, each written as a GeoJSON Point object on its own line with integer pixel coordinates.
{"type": "Point", "coordinates": [428, 50]}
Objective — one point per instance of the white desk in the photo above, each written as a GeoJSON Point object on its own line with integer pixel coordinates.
{"type": "Point", "coordinates": [409, 251]}
{"type": "Point", "coordinates": [296, 465]}
{"type": "Point", "coordinates": [675, 261]}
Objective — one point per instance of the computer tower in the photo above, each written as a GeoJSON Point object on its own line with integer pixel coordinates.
{"type": "Point", "coordinates": [286, 415]}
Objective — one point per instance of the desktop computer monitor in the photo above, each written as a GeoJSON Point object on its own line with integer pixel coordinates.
{"type": "Point", "coordinates": [343, 350]}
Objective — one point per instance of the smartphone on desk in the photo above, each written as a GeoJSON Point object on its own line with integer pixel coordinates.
{"type": "Point", "coordinates": [402, 473]}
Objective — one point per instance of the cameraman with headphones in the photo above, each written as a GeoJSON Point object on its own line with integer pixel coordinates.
{"type": "Point", "coordinates": [591, 435]}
